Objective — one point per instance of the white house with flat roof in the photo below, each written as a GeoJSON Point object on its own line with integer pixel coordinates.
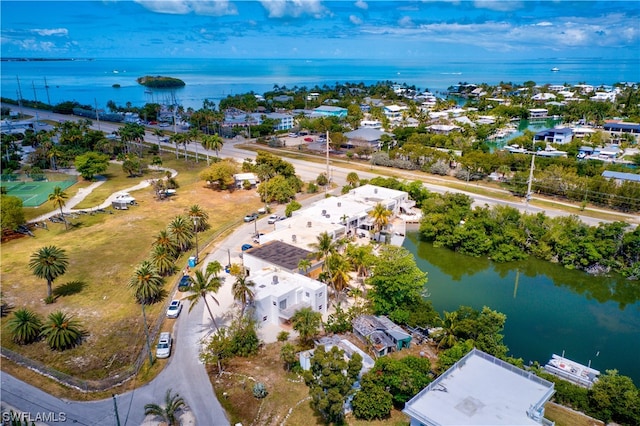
{"type": "Point", "coordinates": [371, 195]}
{"type": "Point", "coordinates": [301, 231]}
{"type": "Point", "coordinates": [481, 389]}
{"type": "Point", "coordinates": [348, 213]}
{"type": "Point", "coordinates": [279, 294]}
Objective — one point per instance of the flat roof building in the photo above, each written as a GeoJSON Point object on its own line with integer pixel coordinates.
{"type": "Point", "coordinates": [481, 389]}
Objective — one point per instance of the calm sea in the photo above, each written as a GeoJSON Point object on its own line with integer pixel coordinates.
{"type": "Point", "coordinates": [91, 81]}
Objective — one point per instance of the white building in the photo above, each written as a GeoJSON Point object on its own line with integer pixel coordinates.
{"type": "Point", "coordinates": [279, 294]}
{"type": "Point", "coordinates": [240, 179]}
{"type": "Point", "coordinates": [481, 390]}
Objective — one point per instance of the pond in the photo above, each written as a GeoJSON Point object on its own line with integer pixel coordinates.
{"type": "Point", "coordinates": [549, 308]}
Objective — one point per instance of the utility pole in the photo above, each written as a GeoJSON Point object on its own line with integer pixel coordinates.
{"type": "Point", "coordinates": [195, 231]}
{"type": "Point", "coordinates": [328, 181]}
{"type": "Point", "coordinates": [115, 407]}
{"type": "Point", "coordinates": [527, 197]}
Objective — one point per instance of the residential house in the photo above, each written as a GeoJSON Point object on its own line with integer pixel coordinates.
{"type": "Point", "coordinates": [330, 111]}
{"type": "Point", "coordinates": [381, 333]}
{"type": "Point", "coordinates": [278, 294]}
{"type": "Point", "coordinates": [344, 345]}
{"type": "Point", "coordinates": [559, 135]}
{"type": "Point", "coordinates": [481, 389]}
{"type": "Point", "coordinates": [276, 254]}
{"type": "Point", "coordinates": [371, 124]}
{"type": "Point", "coordinates": [443, 129]}
{"type": "Point", "coordinates": [394, 112]}
{"type": "Point", "coordinates": [283, 121]}
{"type": "Point", "coordinates": [283, 98]}
{"type": "Point", "coordinates": [365, 136]}
{"type": "Point", "coordinates": [543, 97]}
{"type": "Point", "coordinates": [538, 113]}
{"type": "Point", "coordinates": [617, 129]}
{"type": "Point", "coordinates": [620, 177]}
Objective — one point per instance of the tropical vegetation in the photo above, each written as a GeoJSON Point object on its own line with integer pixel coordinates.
{"type": "Point", "coordinates": [49, 263]}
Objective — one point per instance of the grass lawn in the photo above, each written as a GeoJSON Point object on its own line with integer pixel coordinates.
{"type": "Point", "coordinates": [103, 250]}
{"type": "Point", "coordinates": [564, 416]}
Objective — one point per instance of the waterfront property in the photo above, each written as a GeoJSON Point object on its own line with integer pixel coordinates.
{"type": "Point", "coordinates": [617, 129]}
{"type": "Point", "coordinates": [383, 334]}
{"type": "Point", "coordinates": [559, 135]}
{"type": "Point", "coordinates": [344, 345]}
{"type": "Point", "coordinates": [330, 111]}
{"type": "Point", "coordinates": [481, 389]}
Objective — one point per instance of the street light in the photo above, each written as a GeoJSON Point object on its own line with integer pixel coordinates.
{"type": "Point", "coordinates": [195, 231]}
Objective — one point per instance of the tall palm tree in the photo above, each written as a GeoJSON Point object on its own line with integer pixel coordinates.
{"type": "Point", "coordinates": [214, 142]}
{"type": "Point", "coordinates": [158, 133]}
{"type": "Point", "coordinates": [147, 283]}
{"type": "Point", "coordinates": [172, 404]}
{"type": "Point", "coordinates": [194, 136]}
{"type": "Point", "coordinates": [339, 268]}
{"type": "Point", "coordinates": [181, 231]}
{"type": "Point", "coordinates": [166, 240]}
{"type": "Point", "coordinates": [25, 326]}
{"type": "Point", "coordinates": [323, 247]}
{"type": "Point", "coordinates": [49, 263]}
{"type": "Point", "coordinates": [307, 323]}
{"type": "Point", "coordinates": [214, 268]}
{"type": "Point", "coordinates": [446, 338]}
{"type": "Point", "coordinates": [381, 216]}
{"type": "Point", "coordinates": [304, 265]}
{"type": "Point", "coordinates": [58, 197]}
{"type": "Point", "coordinates": [62, 331]}
{"type": "Point", "coordinates": [202, 285]}
{"type": "Point", "coordinates": [163, 259]}
{"type": "Point", "coordinates": [176, 139]}
{"type": "Point", "coordinates": [361, 258]}
{"type": "Point", "coordinates": [242, 291]}
{"type": "Point", "coordinates": [201, 216]}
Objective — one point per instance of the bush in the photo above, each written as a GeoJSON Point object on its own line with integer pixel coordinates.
{"type": "Point", "coordinates": [312, 188]}
{"type": "Point", "coordinates": [372, 401]}
{"type": "Point", "coordinates": [283, 336]}
{"type": "Point", "coordinates": [260, 390]}
{"type": "Point", "coordinates": [439, 168]}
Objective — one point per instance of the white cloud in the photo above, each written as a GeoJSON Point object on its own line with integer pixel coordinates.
{"type": "Point", "coordinates": [355, 20]}
{"type": "Point", "coordinates": [51, 31]}
{"type": "Point", "coordinates": [498, 5]}
{"type": "Point", "coordinates": [405, 21]}
{"type": "Point", "coordinates": [362, 5]}
{"type": "Point", "coordinates": [543, 24]}
{"type": "Point", "coordinates": [294, 8]}
{"type": "Point", "coordinates": [184, 7]}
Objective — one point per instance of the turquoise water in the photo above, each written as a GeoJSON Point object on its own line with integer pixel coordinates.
{"type": "Point", "coordinates": [551, 309]}
{"type": "Point", "coordinates": [90, 81]}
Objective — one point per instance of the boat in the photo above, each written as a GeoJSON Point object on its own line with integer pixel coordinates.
{"type": "Point", "coordinates": [554, 69]}
{"type": "Point", "coordinates": [515, 149]}
{"type": "Point", "coordinates": [572, 371]}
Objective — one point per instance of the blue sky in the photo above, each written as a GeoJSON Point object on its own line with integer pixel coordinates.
{"type": "Point", "coordinates": [424, 29]}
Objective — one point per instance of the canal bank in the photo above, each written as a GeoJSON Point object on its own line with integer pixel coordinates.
{"type": "Point", "coordinates": [549, 309]}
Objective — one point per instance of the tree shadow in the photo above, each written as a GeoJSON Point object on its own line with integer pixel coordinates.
{"type": "Point", "coordinates": [70, 288]}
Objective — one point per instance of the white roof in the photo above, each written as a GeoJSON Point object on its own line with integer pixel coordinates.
{"type": "Point", "coordinates": [296, 228]}
{"type": "Point", "coordinates": [371, 194]}
{"type": "Point", "coordinates": [480, 390]}
{"type": "Point", "coordinates": [286, 283]}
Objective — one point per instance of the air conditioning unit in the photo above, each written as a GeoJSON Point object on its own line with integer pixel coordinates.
{"type": "Point", "coordinates": [339, 204]}
{"type": "Point", "coordinates": [308, 224]}
{"type": "Point", "coordinates": [275, 280]}
{"type": "Point", "coordinates": [294, 238]}
{"type": "Point", "coordinates": [324, 212]}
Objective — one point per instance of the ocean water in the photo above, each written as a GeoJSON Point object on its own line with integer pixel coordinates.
{"type": "Point", "coordinates": [90, 81]}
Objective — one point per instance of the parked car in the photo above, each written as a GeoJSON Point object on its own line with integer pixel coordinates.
{"type": "Point", "coordinates": [308, 139]}
{"type": "Point", "coordinates": [246, 247]}
{"type": "Point", "coordinates": [185, 283]}
{"type": "Point", "coordinates": [125, 198]}
{"type": "Point", "coordinates": [274, 218]}
{"type": "Point", "coordinates": [163, 349]}
{"type": "Point", "coordinates": [251, 217]}
{"type": "Point", "coordinates": [262, 210]}
{"type": "Point", "coordinates": [173, 311]}
{"type": "Point", "coordinates": [293, 135]}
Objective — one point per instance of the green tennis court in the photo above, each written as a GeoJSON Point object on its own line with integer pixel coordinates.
{"type": "Point", "coordinates": [34, 194]}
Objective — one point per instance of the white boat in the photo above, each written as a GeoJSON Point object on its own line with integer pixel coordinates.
{"type": "Point", "coordinates": [572, 371]}
{"type": "Point", "coordinates": [515, 149]}
{"type": "Point", "coordinates": [554, 69]}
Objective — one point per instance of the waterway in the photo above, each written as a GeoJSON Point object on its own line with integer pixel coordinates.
{"type": "Point", "coordinates": [549, 308]}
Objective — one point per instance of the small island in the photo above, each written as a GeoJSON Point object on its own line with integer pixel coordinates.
{"type": "Point", "coordinates": [115, 86]}
{"type": "Point", "coordinates": [160, 82]}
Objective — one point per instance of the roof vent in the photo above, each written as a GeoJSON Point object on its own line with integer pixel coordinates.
{"type": "Point", "coordinates": [328, 215]}
{"type": "Point", "coordinates": [324, 212]}
{"type": "Point", "coordinates": [375, 190]}
{"type": "Point", "coordinates": [339, 204]}
{"type": "Point", "coordinates": [294, 238]}
{"type": "Point", "coordinates": [275, 280]}
{"type": "Point", "coordinates": [308, 224]}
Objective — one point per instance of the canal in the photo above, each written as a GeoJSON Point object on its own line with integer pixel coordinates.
{"type": "Point", "coordinates": [549, 308]}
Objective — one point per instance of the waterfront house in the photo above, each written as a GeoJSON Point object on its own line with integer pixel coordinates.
{"type": "Point", "coordinates": [541, 97]}
{"type": "Point", "coordinates": [481, 389]}
{"type": "Point", "coordinates": [344, 345]}
{"type": "Point", "coordinates": [443, 129]}
{"type": "Point", "coordinates": [559, 135]}
{"type": "Point", "coordinates": [275, 254]}
{"type": "Point", "coordinates": [617, 129]}
{"type": "Point", "coordinates": [538, 113]}
{"type": "Point", "coordinates": [381, 333]}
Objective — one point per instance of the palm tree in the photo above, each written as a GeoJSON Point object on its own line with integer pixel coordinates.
{"type": "Point", "coordinates": [49, 263]}
{"type": "Point", "coordinates": [172, 404]}
{"type": "Point", "coordinates": [163, 259]}
{"type": "Point", "coordinates": [165, 239]}
{"type": "Point", "coordinates": [58, 197]}
{"type": "Point", "coordinates": [25, 326]}
{"type": "Point", "coordinates": [202, 285]}
{"type": "Point", "coordinates": [307, 323]}
{"type": "Point", "coordinates": [339, 269]}
{"type": "Point", "coordinates": [159, 133]}
{"type": "Point", "coordinates": [242, 291]}
{"type": "Point", "coordinates": [181, 231]}
{"type": "Point", "coordinates": [194, 135]}
{"type": "Point", "coordinates": [447, 337]}
{"type": "Point", "coordinates": [353, 179]}
{"type": "Point", "coordinates": [176, 139]}
{"type": "Point", "coordinates": [62, 331]}
{"type": "Point", "coordinates": [147, 283]}
{"type": "Point", "coordinates": [361, 258]}
{"type": "Point", "coordinates": [214, 268]}
{"type": "Point", "coordinates": [304, 265]}
{"type": "Point", "coordinates": [201, 217]}
{"type": "Point", "coordinates": [381, 216]}
{"type": "Point", "coordinates": [323, 247]}
{"type": "Point", "coordinates": [214, 142]}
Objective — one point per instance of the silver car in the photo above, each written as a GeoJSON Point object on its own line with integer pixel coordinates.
{"type": "Point", "coordinates": [163, 349]}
